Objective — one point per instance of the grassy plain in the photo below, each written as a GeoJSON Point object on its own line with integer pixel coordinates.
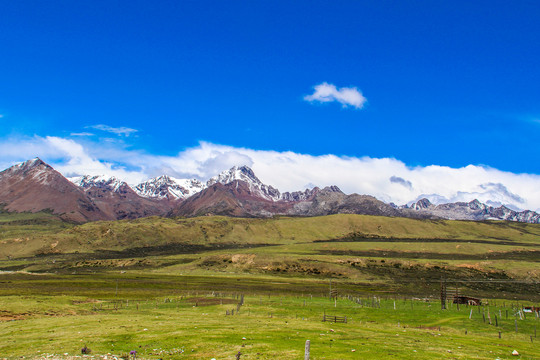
{"type": "Point", "coordinates": [195, 326]}
{"type": "Point", "coordinates": [102, 284]}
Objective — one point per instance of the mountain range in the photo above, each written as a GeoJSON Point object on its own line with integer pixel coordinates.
{"type": "Point", "coordinates": [34, 186]}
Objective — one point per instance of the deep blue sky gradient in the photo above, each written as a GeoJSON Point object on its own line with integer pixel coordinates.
{"type": "Point", "coordinates": [447, 83]}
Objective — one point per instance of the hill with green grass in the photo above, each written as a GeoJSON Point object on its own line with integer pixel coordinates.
{"type": "Point", "coordinates": [388, 252]}
{"type": "Point", "coordinates": [116, 286]}
{"type": "Point", "coordinates": [27, 234]}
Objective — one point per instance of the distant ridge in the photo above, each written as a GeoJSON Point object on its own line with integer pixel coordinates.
{"type": "Point", "coordinates": [169, 188]}
{"type": "Point", "coordinates": [35, 186]}
{"type": "Point", "coordinates": [473, 210]}
{"type": "Point", "coordinates": [117, 199]}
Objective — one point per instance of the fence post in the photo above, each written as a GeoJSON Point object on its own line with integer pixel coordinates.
{"type": "Point", "coordinates": [306, 354]}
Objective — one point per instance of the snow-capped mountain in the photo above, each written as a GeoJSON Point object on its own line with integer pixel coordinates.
{"type": "Point", "coordinates": [35, 186]}
{"type": "Point", "coordinates": [116, 198]}
{"type": "Point", "coordinates": [167, 187]}
{"type": "Point", "coordinates": [421, 204]}
{"type": "Point", "coordinates": [473, 210]}
{"type": "Point", "coordinates": [245, 174]}
{"type": "Point", "coordinates": [100, 181]}
{"type": "Point", "coordinates": [39, 171]}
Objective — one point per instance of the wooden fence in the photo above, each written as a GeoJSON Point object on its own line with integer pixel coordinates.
{"type": "Point", "coordinates": [336, 319]}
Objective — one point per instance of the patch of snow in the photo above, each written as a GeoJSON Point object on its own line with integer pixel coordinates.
{"type": "Point", "coordinates": [166, 187]}
{"type": "Point", "coordinates": [245, 174]}
{"type": "Point", "coordinates": [101, 181]}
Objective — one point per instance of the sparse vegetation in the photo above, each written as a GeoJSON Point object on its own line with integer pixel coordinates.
{"type": "Point", "coordinates": [99, 285]}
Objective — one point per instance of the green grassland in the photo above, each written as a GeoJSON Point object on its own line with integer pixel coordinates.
{"type": "Point", "coordinates": [191, 325]}
{"type": "Point", "coordinates": [401, 254]}
{"type": "Point", "coordinates": [56, 237]}
{"type": "Point", "coordinates": [101, 284]}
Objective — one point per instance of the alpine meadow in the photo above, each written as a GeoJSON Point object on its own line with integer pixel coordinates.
{"type": "Point", "coordinates": [269, 180]}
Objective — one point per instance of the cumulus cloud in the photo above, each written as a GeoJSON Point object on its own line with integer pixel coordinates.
{"type": "Point", "coordinates": [69, 157]}
{"type": "Point", "coordinates": [326, 92]}
{"type": "Point", "coordinates": [494, 194]}
{"type": "Point", "coordinates": [498, 188]}
{"type": "Point", "coordinates": [123, 131]}
{"type": "Point", "coordinates": [76, 160]}
{"type": "Point", "coordinates": [387, 179]}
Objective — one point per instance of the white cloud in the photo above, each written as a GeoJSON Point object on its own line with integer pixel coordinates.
{"type": "Point", "coordinates": [387, 179]}
{"type": "Point", "coordinates": [82, 134]}
{"type": "Point", "coordinates": [326, 92]}
{"type": "Point", "coordinates": [494, 194]}
{"type": "Point", "coordinates": [68, 156]}
{"type": "Point", "coordinates": [124, 131]}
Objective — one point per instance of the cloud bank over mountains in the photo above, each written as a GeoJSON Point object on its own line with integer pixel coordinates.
{"type": "Point", "coordinates": [388, 179]}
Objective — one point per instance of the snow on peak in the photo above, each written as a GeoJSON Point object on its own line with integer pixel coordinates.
{"type": "Point", "coordinates": [100, 181]}
{"type": "Point", "coordinates": [29, 164]}
{"type": "Point", "coordinates": [419, 205]}
{"type": "Point", "coordinates": [32, 162]}
{"type": "Point", "coordinates": [35, 168]}
{"type": "Point", "coordinates": [476, 205]}
{"type": "Point", "coordinates": [167, 187]}
{"type": "Point", "coordinates": [242, 173]}
{"type": "Point", "coordinates": [245, 174]}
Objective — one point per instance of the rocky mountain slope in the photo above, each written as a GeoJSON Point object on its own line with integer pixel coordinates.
{"type": "Point", "coordinates": [236, 198]}
{"type": "Point", "coordinates": [239, 199]}
{"type": "Point", "coordinates": [169, 188]}
{"type": "Point", "coordinates": [117, 200]}
{"type": "Point", "coordinates": [34, 186]}
{"type": "Point", "coordinates": [244, 174]}
{"type": "Point", "coordinates": [331, 200]}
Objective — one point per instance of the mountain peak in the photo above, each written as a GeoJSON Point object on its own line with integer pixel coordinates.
{"type": "Point", "coordinates": [421, 204]}
{"type": "Point", "coordinates": [167, 187]}
{"type": "Point", "coordinates": [33, 162]}
{"type": "Point", "coordinates": [30, 164]}
{"type": "Point", "coordinates": [245, 174]}
{"type": "Point", "coordinates": [333, 188]}
{"type": "Point", "coordinates": [34, 186]}
{"type": "Point", "coordinates": [34, 168]}
{"type": "Point", "coordinates": [476, 205]}
{"type": "Point", "coordinates": [163, 178]}
{"type": "Point", "coordinates": [99, 181]}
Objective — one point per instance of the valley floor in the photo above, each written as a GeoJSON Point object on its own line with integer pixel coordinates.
{"type": "Point", "coordinates": [161, 319]}
{"type": "Point", "coordinates": [167, 288]}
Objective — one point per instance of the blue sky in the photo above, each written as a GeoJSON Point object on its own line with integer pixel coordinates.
{"type": "Point", "coordinates": [450, 84]}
